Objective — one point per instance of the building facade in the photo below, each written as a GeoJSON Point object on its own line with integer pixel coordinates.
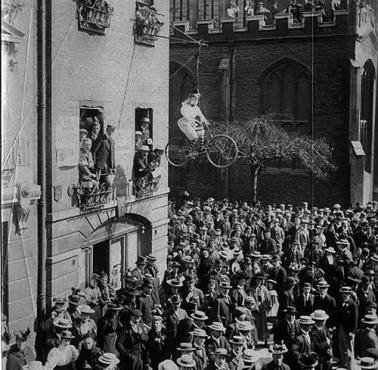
{"type": "Point", "coordinates": [316, 73]}
{"type": "Point", "coordinates": [87, 66]}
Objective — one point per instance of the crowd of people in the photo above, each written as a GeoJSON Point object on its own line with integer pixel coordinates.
{"type": "Point", "coordinates": [298, 281]}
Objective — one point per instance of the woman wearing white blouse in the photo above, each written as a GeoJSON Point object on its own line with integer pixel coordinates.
{"type": "Point", "coordinates": [63, 356]}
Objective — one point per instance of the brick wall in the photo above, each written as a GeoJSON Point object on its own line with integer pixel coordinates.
{"type": "Point", "coordinates": [328, 60]}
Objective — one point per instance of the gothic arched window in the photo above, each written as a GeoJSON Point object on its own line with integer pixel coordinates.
{"type": "Point", "coordinates": [286, 94]}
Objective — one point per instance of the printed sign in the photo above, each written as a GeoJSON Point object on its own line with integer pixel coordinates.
{"type": "Point", "coordinates": [67, 141]}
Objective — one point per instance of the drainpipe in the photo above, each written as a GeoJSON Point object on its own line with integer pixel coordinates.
{"type": "Point", "coordinates": [232, 81]}
{"type": "Point", "coordinates": [41, 162]}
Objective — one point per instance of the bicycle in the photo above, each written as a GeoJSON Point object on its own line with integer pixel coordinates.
{"type": "Point", "coordinates": [221, 150]}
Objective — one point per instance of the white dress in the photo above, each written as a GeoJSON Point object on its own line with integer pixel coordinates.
{"type": "Point", "coordinates": [61, 356]}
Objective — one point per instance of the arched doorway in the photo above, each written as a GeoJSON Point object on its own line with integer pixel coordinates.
{"type": "Point", "coordinates": [180, 83]}
{"type": "Point", "coordinates": [113, 248]}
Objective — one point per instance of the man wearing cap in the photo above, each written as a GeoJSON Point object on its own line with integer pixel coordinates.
{"type": "Point", "coordinates": [346, 324]}
{"type": "Point", "coordinates": [191, 293]}
{"type": "Point", "coordinates": [141, 166]}
{"type": "Point", "coordinates": [323, 301]}
{"type": "Point", "coordinates": [277, 351]}
{"type": "Point", "coordinates": [237, 344]}
{"type": "Point", "coordinates": [303, 343]}
{"type": "Point", "coordinates": [278, 274]}
{"type": "Point", "coordinates": [103, 152]}
{"type": "Point", "coordinates": [366, 337]}
{"type": "Point", "coordinates": [145, 302]}
{"type": "Point", "coordinates": [224, 304]}
{"type": "Point", "coordinates": [199, 354]}
{"type": "Point", "coordinates": [138, 271]}
{"type": "Point", "coordinates": [288, 328]}
{"type": "Point", "coordinates": [220, 356]}
{"type": "Point", "coordinates": [321, 338]}
{"type": "Point", "coordinates": [157, 342]}
{"type": "Point", "coordinates": [216, 339]}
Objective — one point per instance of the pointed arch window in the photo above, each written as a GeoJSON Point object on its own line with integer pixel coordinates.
{"type": "Point", "coordinates": [286, 94]}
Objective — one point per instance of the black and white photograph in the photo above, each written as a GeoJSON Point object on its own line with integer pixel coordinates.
{"type": "Point", "coordinates": [189, 185]}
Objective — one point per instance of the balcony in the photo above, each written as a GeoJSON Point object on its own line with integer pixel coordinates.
{"type": "Point", "coordinates": [94, 15]}
{"type": "Point", "coordinates": [146, 186]}
{"type": "Point", "coordinates": [90, 195]}
{"type": "Point", "coordinates": [146, 24]}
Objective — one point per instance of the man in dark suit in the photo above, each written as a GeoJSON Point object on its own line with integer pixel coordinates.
{"type": "Point", "coordinates": [103, 151]}
{"type": "Point", "coordinates": [325, 302]}
{"type": "Point", "coordinates": [141, 167]}
{"type": "Point", "coordinates": [366, 338]}
{"type": "Point", "coordinates": [303, 343]}
{"type": "Point", "coordinates": [346, 324]}
{"type": "Point", "coordinates": [131, 343]}
{"type": "Point", "coordinates": [278, 274]}
{"type": "Point", "coordinates": [287, 298]}
{"type": "Point", "coordinates": [287, 329]}
{"type": "Point", "coordinates": [145, 302]}
{"type": "Point", "coordinates": [216, 339]}
{"type": "Point", "coordinates": [305, 302]}
{"type": "Point", "coordinates": [277, 363]}
{"type": "Point", "coordinates": [321, 339]}
{"type": "Point", "coordinates": [224, 304]}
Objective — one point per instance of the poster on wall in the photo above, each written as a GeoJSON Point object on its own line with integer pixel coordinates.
{"type": "Point", "coordinates": [67, 141]}
{"type": "Point", "coordinates": [115, 262]}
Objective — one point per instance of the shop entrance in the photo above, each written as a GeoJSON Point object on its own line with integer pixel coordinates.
{"type": "Point", "coordinates": [101, 257]}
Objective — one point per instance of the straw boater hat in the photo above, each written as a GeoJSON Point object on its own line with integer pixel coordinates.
{"type": "Point", "coordinates": [306, 320]}
{"type": "Point", "coordinates": [186, 347]}
{"type": "Point", "coordinates": [199, 315]}
{"type": "Point", "coordinates": [66, 334]}
{"type": "Point", "coordinates": [220, 352]}
{"type": "Point", "coordinates": [367, 363]}
{"type": "Point", "coordinates": [186, 361]}
{"type": "Point", "coordinates": [108, 359]}
{"type": "Point", "coordinates": [199, 333]}
{"type": "Point", "coordinates": [249, 357]}
{"type": "Point", "coordinates": [114, 307]}
{"type": "Point", "coordinates": [174, 283]}
{"type": "Point", "coordinates": [244, 325]}
{"type": "Point", "coordinates": [319, 315]}
{"type": "Point", "coordinates": [62, 323]}
{"type": "Point", "coordinates": [217, 326]}
{"type": "Point", "coordinates": [237, 339]}
{"type": "Point", "coordinates": [84, 309]}
{"type": "Point", "coordinates": [370, 319]}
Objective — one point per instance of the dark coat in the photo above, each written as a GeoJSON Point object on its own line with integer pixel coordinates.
{"type": "Point", "coordinates": [104, 153]}
{"type": "Point", "coordinates": [305, 308]}
{"type": "Point", "coordinates": [279, 275]}
{"type": "Point", "coordinates": [145, 304]}
{"type": "Point", "coordinates": [282, 332]}
{"type": "Point", "coordinates": [88, 357]}
{"type": "Point", "coordinates": [365, 339]}
{"type": "Point", "coordinates": [321, 346]}
{"type": "Point", "coordinates": [211, 345]}
{"type": "Point", "coordinates": [347, 316]}
{"type": "Point", "coordinates": [327, 304]}
{"type": "Point", "coordinates": [224, 310]}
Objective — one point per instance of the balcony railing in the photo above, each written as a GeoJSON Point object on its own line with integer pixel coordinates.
{"type": "Point", "coordinates": [147, 24]}
{"type": "Point", "coordinates": [94, 16]}
{"type": "Point", "coordinates": [90, 195]}
{"type": "Point", "coordinates": [146, 186]}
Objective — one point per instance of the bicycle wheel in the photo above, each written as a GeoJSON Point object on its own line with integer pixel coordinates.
{"type": "Point", "coordinates": [177, 151]}
{"type": "Point", "coordinates": [222, 151]}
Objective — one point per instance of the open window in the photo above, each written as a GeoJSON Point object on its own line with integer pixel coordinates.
{"type": "Point", "coordinates": [144, 120]}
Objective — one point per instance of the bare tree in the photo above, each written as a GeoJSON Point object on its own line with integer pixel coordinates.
{"type": "Point", "coordinates": [262, 139]}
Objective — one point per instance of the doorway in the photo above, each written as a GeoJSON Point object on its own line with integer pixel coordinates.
{"type": "Point", "coordinates": [101, 257]}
